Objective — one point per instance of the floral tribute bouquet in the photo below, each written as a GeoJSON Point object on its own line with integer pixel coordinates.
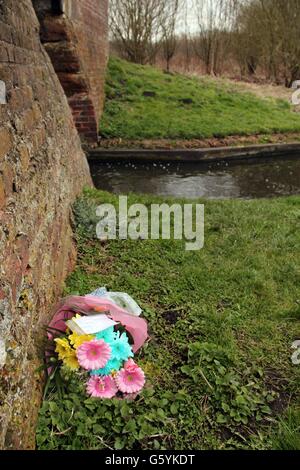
{"type": "Point", "coordinates": [96, 339]}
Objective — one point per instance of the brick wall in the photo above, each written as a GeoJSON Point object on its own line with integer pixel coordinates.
{"type": "Point", "coordinates": [77, 43]}
{"type": "Point", "coordinates": [42, 168]}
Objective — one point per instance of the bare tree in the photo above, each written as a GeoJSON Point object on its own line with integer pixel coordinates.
{"type": "Point", "coordinates": [169, 35]}
{"type": "Point", "coordinates": [185, 38]}
{"type": "Point", "coordinates": [215, 20]}
{"type": "Point", "coordinates": [286, 18]}
{"type": "Point", "coordinates": [246, 44]}
{"type": "Point", "coordinates": [267, 33]}
{"type": "Point", "coordinates": [136, 25]}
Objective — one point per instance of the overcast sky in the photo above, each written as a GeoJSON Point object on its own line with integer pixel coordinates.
{"type": "Point", "coordinates": [192, 24]}
{"type": "Point", "coordinates": [189, 14]}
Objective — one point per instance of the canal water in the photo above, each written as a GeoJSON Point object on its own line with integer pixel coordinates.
{"type": "Point", "coordinates": [243, 180]}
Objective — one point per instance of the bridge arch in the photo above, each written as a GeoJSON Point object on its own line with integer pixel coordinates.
{"type": "Point", "coordinates": [74, 35]}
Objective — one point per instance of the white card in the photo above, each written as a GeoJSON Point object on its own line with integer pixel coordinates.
{"type": "Point", "coordinates": [94, 323]}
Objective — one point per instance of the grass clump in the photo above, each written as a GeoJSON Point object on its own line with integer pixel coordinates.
{"type": "Point", "coordinates": [222, 321]}
{"type": "Point", "coordinates": [287, 436]}
{"type": "Point", "coordinates": [145, 103]}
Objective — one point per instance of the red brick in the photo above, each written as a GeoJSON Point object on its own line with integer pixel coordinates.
{"type": "Point", "coordinates": [5, 142]}
{"type": "Point", "coordinates": [54, 29]}
{"type": "Point", "coordinates": [2, 193]}
{"type": "Point", "coordinates": [24, 156]}
{"type": "Point", "coordinates": [8, 178]}
{"type": "Point", "coordinates": [5, 32]}
{"type": "Point", "coordinates": [79, 54]}
{"type": "Point", "coordinates": [40, 158]}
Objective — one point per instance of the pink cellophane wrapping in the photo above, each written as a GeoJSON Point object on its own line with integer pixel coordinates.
{"type": "Point", "coordinates": [88, 304]}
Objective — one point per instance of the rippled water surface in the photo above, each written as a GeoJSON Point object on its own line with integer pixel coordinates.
{"type": "Point", "coordinates": [247, 180]}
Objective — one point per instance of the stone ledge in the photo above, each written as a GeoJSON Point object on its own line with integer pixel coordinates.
{"type": "Point", "coordinates": [195, 155]}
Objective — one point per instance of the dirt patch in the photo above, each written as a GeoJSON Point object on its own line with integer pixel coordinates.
{"type": "Point", "coordinates": [279, 385]}
{"type": "Point", "coordinates": [260, 89]}
{"type": "Point", "coordinates": [172, 316]}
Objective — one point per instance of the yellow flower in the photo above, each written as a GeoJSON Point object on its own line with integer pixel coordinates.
{"type": "Point", "coordinates": [63, 347]}
{"type": "Point", "coordinates": [77, 340]}
{"type": "Point", "coordinates": [71, 361]}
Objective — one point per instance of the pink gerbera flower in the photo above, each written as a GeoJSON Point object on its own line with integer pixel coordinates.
{"type": "Point", "coordinates": [93, 354]}
{"type": "Point", "coordinates": [101, 387]}
{"type": "Point", "coordinates": [131, 378]}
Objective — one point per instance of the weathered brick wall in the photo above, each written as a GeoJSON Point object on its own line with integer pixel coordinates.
{"type": "Point", "coordinates": [74, 33]}
{"type": "Point", "coordinates": [42, 168]}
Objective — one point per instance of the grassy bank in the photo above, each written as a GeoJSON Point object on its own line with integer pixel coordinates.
{"type": "Point", "coordinates": [222, 321]}
{"type": "Point", "coordinates": [146, 103]}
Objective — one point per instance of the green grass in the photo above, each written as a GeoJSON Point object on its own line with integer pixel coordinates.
{"type": "Point", "coordinates": [221, 320]}
{"type": "Point", "coordinates": [288, 435]}
{"type": "Point", "coordinates": [215, 109]}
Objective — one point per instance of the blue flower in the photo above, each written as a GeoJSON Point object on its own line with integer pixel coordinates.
{"type": "Point", "coordinates": [121, 350]}
{"type": "Point", "coordinates": [107, 335]}
{"type": "Point", "coordinates": [121, 337]}
{"type": "Point", "coordinates": [112, 364]}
